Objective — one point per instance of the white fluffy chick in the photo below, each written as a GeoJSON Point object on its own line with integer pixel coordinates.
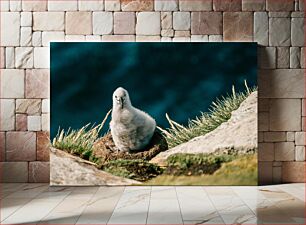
{"type": "Point", "coordinates": [131, 128]}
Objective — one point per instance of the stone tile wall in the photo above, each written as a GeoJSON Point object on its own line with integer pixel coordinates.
{"type": "Point", "coordinates": [27, 27]}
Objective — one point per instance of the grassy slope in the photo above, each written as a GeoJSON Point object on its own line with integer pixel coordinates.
{"type": "Point", "coordinates": [241, 171]}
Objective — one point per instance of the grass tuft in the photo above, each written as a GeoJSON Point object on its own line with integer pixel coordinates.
{"type": "Point", "coordinates": [218, 113]}
{"type": "Point", "coordinates": [79, 142]}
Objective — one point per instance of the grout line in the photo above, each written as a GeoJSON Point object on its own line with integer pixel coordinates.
{"type": "Point", "coordinates": [149, 205]}
{"type": "Point", "coordinates": [178, 201]}
{"type": "Point", "coordinates": [116, 205]}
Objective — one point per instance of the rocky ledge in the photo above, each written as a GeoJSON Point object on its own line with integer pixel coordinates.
{"type": "Point", "coordinates": [67, 169]}
{"type": "Point", "coordinates": [238, 134]}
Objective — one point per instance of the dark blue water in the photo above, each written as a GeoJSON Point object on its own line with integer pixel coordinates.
{"type": "Point", "coordinates": [180, 79]}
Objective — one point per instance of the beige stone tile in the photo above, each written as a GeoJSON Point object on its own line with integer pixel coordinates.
{"type": "Point", "coordinates": [37, 39]}
{"type": "Point", "coordinates": [300, 138]}
{"type": "Point", "coordinates": [199, 38]}
{"type": "Point", "coordinates": [279, 32]}
{"type": "Point", "coordinates": [34, 123]}
{"type": "Point", "coordinates": [215, 38]}
{"type": "Point", "coordinates": [112, 5]}
{"type": "Point", "coordinates": [58, 5]}
{"type": "Point", "coordinates": [39, 172]}
{"type": "Point", "coordinates": [10, 57]}
{"type": "Point", "coordinates": [15, 6]}
{"type": "Point", "coordinates": [295, 57]}
{"type": "Point", "coordinates": [281, 83]}
{"type": "Point", "coordinates": [238, 26]}
{"type": "Point", "coordinates": [26, 19]}
{"type": "Point", "coordinates": [253, 5]}
{"type": "Point", "coordinates": [20, 146]}
{"type": "Point", "coordinates": [285, 115]}
{"type": "Point", "coordinates": [102, 23]}
{"type": "Point", "coordinates": [91, 5]}
{"type": "Point", "coordinates": [167, 33]}
{"type": "Point", "coordinates": [78, 23]}
{"type": "Point", "coordinates": [273, 5]}
{"type": "Point", "coordinates": [41, 57]}
{"type": "Point", "coordinates": [24, 57]}
{"type": "Point", "coordinates": [297, 32]}
{"type": "Point", "coordinates": [10, 28]}
{"type": "Point", "coordinates": [284, 151]}
{"type": "Point", "coordinates": [21, 122]}
{"type": "Point", "coordinates": [7, 114]}
{"type": "Point", "coordinates": [28, 106]}
{"type": "Point", "coordinates": [261, 28]}
{"type": "Point", "coordinates": [206, 23]}
{"type": "Point", "coordinates": [12, 83]}
{"type": "Point", "coordinates": [45, 121]}
{"type": "Point", "coordinates": [34, 5]}
{"type": "Point", "coordinates": [227, 5]}
{"type": "Point", "coordinates": [124, 22]}
{"type": "Point", "coordinates": [169, 5]}
{"type": "Point", "coordinates": [137, 5]}
{"type": "Point", "coordinates": [148, 23]}
{"type": "Point", "coordinates": [283, 57]}
{"type": "Point", "coordinates": [265, 173]}
{"type": "Point", "coordinates": [74, 38]}
{"type": "Point", "coordinates": [181, 39]}
{"type": "Point", "coordinates": [48, 21]}
{"type": "Point", "coordinates": [293, 172]}
{"type": "Point", "coordinates": [46, 105]}
{"type": "Point", "coordinates": [197, 5]}
{"type": "Point", "coordinates": [25, 36]}
{"type": "Point", "coordinates": [275, 136]}
{"type": "Point", "coordinates": [43, 145]}
{"type": "Point", "coordinates": [181, 21]}
{"type": "Point", "coordinates": [290, 136]}
{"type": "Point", "coordinates": [49, 36]}
{"type": "Point", "coordinates": [277, 174]}
{"type": "Point", "coordinates": [300, 153]}
{"type": "Point", "coordinates": [263, 121]}
{"type": "Point", "coordinates": [166, 39]}
{"type": "Point", "coordinates": [93, 38]}
{"type": "Point", "coordinates": [265, 152]}
{"type": "Point", "coordinates": [166, 20]}
{"type": "Point", "coordinates": [266, 57]}
{"type": "Point", "coordinates": [37, 83]}
{"type": "Point", "coordinates": [14, 171]}
{"type": "Point", "coordinates": [5, 5]}
{"type": "Point", "coordinates": [140, 38]}
{"type": "Point", "coordinates": [119, 38]}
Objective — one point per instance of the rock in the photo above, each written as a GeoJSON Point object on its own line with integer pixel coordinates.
{"type": "Point", "coordinates": [71, 170]}
{"type": "Point", "coordinates": [169, 5]}
{"type": "Point", "coordinates": [239, 133]}
{"type": "Point", "coordinates": [105, 149]}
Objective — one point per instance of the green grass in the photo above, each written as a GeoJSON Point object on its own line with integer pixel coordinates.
{"type": "Point", "coordinates": [79, 142]}
{"type": "Point", "coordinates": [241, 171]}
{"type": "Point", "coordinates": [195, 164]}
{"type": "Point", "coordinates": [219, 112]}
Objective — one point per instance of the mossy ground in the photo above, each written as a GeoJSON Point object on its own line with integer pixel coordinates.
{"type": "Point", "coordinates": [241, 171]}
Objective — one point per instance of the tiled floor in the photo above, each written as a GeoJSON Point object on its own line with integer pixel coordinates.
{"type": "Point", "coordinates": [41, 204]}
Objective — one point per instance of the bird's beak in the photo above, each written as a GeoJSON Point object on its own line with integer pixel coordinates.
{"type": "Point", "coordinates": [120, 102]}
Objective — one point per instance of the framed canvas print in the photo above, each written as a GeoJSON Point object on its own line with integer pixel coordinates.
{"type": "Point", "coordinates": [153, 113]}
